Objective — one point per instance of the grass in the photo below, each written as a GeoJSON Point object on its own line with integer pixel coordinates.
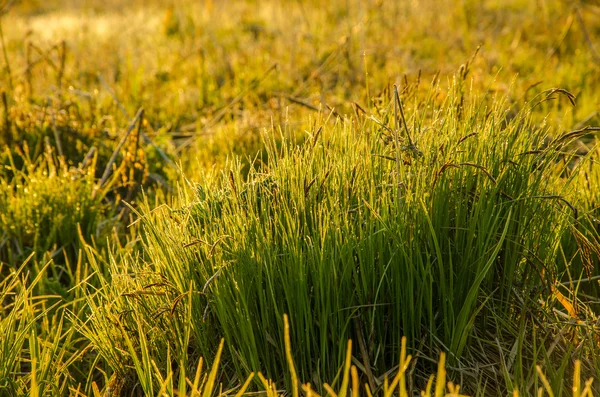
{"type": "Point", "coordinates": [330, 233]}
{"type": "Point", "coordinates": [291, 177]}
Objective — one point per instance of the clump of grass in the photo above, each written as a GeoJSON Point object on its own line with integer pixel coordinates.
{"type": "Point", "coordinates": [362, 233]}
{"type": "Point", "coordinates": [35, 354]}
{"type": "Point", "coordinates": [44, 207]}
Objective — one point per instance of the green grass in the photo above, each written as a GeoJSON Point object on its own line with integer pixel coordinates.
{"type": "Point", "coordinates": [275, 170]}
{"type": "Point", "coordinates": [438, 245]}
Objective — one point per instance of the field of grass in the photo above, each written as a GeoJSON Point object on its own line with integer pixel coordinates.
{"type": "Point", "coordinates": [299, 197]}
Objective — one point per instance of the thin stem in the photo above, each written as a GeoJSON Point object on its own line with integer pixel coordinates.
{"type": "Point", "coordinates": [7, 64]}
{"type": "Point", "coordinates": [586, 34]}
{"type": "Point", "coordinates": [396, 138]}
{"type": "Point", "coordinates": [410, 141]}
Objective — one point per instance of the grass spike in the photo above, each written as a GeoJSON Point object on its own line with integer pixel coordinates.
{"type": "Point", "coordinates": [288, 354]}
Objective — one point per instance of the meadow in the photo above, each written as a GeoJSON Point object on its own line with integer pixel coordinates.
{"type": "Point", "coordinates": [299, 198]}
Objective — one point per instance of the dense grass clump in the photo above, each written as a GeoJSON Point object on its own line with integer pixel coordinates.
{"type": "Point", "coordinates": [35, 343]}
{"type": "Point", "coordinates": [437, 227]}
{"type": "Point", "coordinates": [45, 207]}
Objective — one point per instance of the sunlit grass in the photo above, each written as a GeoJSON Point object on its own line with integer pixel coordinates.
{"type": "Point", "coordinates": [282, 173]}
{"type": "Point", "coordinates": [354, 236]}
